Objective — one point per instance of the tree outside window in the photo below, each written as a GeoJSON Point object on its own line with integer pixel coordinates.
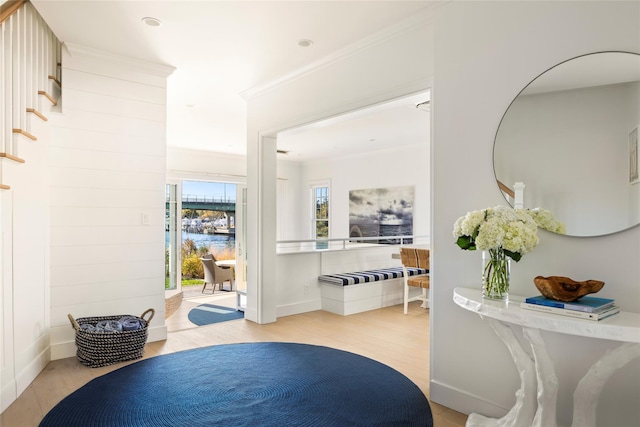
{"type": "Point", "coordinates": [321, 216]}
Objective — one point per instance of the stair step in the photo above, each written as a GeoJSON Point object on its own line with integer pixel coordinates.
{"type": "Point", "coordinates": [49, 97]}
{"type": "Point", "coordinates": [56, 81]}
{"type": "Point", "coordinates": [11, 157]}
{"type": "Point", "coordinates": [25, 133]}
{"type": "Point", "coordinates": [37, 113]}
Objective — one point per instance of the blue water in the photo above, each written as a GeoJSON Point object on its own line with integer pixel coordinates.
{"type": "Point", "coordinates": [215, 241]}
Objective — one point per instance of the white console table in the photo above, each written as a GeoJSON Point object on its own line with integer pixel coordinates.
{"type": "Point", "coordinates": [536, 398]}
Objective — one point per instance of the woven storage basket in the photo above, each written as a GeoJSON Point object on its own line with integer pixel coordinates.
{"type": "Point", "coordinates": [96, 349]}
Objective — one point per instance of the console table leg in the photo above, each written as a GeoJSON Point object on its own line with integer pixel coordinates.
{"type": "Point", "coordinates": [523, 411]}
{"type": "Point", "coordinates": [587, 393]}
{"type": "Point", "coordinates": [547, 380]}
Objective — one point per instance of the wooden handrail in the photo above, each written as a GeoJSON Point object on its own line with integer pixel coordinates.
{"type": "Point", "coordinates": [9, 8]}
{"type": "Point", "coordinates": [506, 189]}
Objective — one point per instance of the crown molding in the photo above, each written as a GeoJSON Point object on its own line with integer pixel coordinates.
{"type": "Point", "coordinates": [84, 52]}
{"type": "Point", "coordinates": [422, 18]}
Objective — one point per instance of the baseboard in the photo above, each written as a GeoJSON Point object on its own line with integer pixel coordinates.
{"type": "Point", "coordinates": [8, 393]}
{"type": "Point", "coordinates": [159, 333]}
{"type": "Point", "coordinates": [26, 376]}
{"type": "Point", "coordinates": [298, 308]}
{"type": "Point", "coordinates": [462, 401]}
{"type": "Point", "coordinates": [63, 350]}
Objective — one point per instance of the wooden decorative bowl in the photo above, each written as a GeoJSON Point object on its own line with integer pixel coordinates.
{"type": "Point", "coordinates": [564, 289]}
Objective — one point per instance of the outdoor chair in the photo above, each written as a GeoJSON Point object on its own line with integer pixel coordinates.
{"type": "Point", "coordinates": [215, 274]}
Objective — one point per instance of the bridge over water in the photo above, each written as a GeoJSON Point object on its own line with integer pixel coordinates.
{"type": "Point", "coordinates": [208, 204]}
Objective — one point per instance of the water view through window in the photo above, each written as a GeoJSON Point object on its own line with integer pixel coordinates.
{"type": "Point", "coordinates": [204, 222]}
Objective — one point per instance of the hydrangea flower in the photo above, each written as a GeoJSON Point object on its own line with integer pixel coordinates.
{"type": "Point", "coordinates": [515, 231]}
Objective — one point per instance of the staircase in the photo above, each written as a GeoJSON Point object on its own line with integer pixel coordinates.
{"type": "Point", "coordinates": [30, 78]}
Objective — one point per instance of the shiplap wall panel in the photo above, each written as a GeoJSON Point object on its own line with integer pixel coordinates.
{"type": "Point", "coordinates": [72, 235]}
{"type": "Point", "coordinates": [90, 293]}
{"type": "Point", "coordinates": [65, 275]}
{"type": "Point", "coordinates": [106, 160]}
{"type": "Point", "coordinates": [112, 216]}
{"type": "Point", "coordinates": [91, 178]}
{"type": "Point", "coordinates": [107, 169]}
{"type": "Point", "coordinates": [102, 197]}
{"type": "Point", "coordinates": [111, 123]}
{"type": "Point", "coordinates": [101, 254]}
{"type": "Point", "coordinates": [113, 105]}
{"type": "Point", "coordinates": [83, 81]}
{"type": "Point", "coordinates": [102, 141]}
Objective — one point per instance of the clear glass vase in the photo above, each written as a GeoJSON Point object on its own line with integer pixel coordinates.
{"type": "Point", "coordinates": [495, 274]}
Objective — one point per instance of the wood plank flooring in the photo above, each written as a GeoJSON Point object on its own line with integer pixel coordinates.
{"type": "Point", "coordinates": [386, 335]}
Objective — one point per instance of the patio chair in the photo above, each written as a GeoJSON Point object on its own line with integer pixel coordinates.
{"type": "Point", "coordinates": [216, 275]}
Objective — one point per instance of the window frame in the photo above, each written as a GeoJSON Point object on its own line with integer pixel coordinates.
{"type": "Point", "coordinates": [314, 186]}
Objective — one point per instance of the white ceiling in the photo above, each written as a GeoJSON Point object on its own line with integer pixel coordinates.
{"type": "Point", "coordinates": [222, 48]}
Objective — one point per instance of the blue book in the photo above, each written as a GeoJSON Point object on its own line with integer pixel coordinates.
{"type": "Point", "coordinates": [587, 304]}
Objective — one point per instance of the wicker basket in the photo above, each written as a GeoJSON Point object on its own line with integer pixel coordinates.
{"type": "Point", "coordinates": [96, 349]}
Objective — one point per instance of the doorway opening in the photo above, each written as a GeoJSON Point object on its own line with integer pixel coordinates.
{"type": "Point", "coordinates": [200, 222]}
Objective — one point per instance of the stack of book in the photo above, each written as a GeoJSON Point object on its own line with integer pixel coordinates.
{"type": "Point", "coordinates": [589, 308]}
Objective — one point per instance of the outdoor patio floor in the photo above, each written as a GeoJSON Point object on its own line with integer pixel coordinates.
{"type": "Point", "coordinates": [192, 297]}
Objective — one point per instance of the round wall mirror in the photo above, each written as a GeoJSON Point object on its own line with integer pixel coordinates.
{"type": "Point", "coordinates": [570, 139]}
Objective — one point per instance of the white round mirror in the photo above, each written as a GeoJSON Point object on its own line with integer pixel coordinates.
{"type": "Point", "coordinates": [571, 137]}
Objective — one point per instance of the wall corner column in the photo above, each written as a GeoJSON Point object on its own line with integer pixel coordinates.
{"type": "Point", "coordinates": [261, 228]}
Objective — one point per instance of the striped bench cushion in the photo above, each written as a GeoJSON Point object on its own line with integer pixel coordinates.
{"type": "Point", "coordinates": [344, 279]}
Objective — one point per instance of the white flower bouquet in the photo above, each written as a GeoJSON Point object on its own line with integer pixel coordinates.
{"type": "Point", "coordinates": [503, 232]}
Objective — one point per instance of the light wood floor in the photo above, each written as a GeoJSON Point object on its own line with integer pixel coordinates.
{"type": "Point", "coordinates": [386, 335]}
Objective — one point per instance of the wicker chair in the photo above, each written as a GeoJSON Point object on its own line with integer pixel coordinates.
{"type": "Point", "coordinates": [215, 274]}
{"type": "Point", "coordinates": [415, 258]}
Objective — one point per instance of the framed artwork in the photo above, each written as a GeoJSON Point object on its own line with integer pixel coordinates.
{"type": "Point", "coordinates": [381, 212]}
{"type": "Point", "coordinates": [633, 157]}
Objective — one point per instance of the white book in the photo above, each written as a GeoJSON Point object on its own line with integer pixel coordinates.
{"type": "Point", "coordinates": [571, 313]}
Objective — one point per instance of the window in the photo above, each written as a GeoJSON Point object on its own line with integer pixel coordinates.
{"type": "Point", "coordinates": [320, 226]}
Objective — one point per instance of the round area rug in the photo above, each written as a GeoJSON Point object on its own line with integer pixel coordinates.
{"type": "Point", "coordinates": [251, 384]}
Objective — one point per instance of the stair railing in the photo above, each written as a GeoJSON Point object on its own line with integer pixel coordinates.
{"type": "Point", "coordinates": [29, 76]}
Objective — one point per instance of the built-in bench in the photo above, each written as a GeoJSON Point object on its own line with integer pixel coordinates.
{"type": "Point", "coordinates": [345, 279]}
{"type": "Point", "coordinates": [358, 291]}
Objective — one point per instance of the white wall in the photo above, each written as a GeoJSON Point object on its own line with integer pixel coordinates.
{"type": "Point", "coordinates": [376, 70]}
{"type": "Point", "coordinates": [395, 167]}
{"type": "Point", "coordinates": [485, 53]}
{"type": "Point", "coordinates": [24, 267]}
{"type": "Point", "coordinates": [106, 171]}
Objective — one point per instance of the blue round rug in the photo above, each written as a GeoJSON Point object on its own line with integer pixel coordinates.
{"type": "Point", "coordinates": [251, 384]}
